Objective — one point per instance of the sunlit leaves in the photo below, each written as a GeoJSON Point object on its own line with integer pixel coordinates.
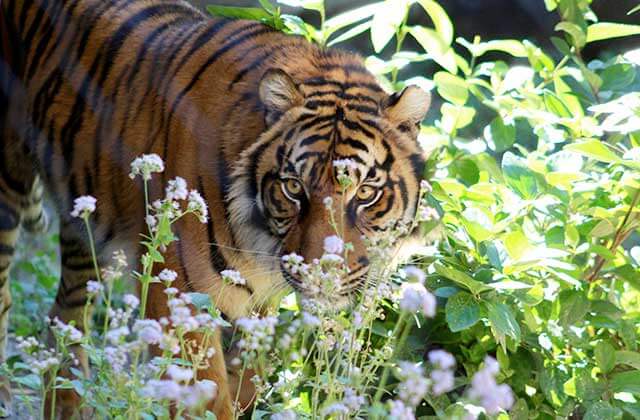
{"type": "Point", "coordinates": [607, 30]}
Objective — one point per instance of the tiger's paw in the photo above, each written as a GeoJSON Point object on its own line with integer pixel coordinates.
{"type": "Point", "coordinates": [6, 407]}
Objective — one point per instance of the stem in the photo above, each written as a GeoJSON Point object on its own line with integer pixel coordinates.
{"type": "Point", "coordinates": [93, 248]}
{"type": "Point", "coordinates": [400, 325]}
{"type": "Point", "coordinates": [619, 237]}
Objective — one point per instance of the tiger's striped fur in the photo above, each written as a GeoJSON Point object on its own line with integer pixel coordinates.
{"type": "Point", "coordinates": [234, 107]}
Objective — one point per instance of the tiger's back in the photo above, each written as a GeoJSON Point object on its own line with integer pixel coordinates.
{"type": "Point", "coordinates": [91, 84]}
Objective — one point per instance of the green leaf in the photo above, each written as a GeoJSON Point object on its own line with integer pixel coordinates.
{"type": "Point", "coordinates": [617, 76]}
{"type": "Point", "coordinates": [594, 149]}
{"type": "Point", "coordinates": [452, 88]}
{"type": "Point", "coordinates": [503, 322]}
{"type": "Point", "coordinates": [436, 47]}
{"type": "Point", "coordinates": [629, 358]}
{"type": "Point", "coordinates": [200, 300]}
{"type": "Point", "coordinates": [462, 279]}
{"type": "Point", "coordinates": [317, 5]}
{"type": "Point", "coordinates": [573, 309]}
{"type": "Point", "coordinates": [456, 117]}
{"type": "Point", "coordinates": [555, 105]}
{"type": "Point", "coordinates": [516, 244]}
{"type": "Point", "coordinates": [626, 382]}
{"type": "Point", "coordinates": [509, 46]}
{"type": "Point", "coordinates": [577, 35]}
{"type": "Point", "coordinates": [251, 13]}
{"type": "Point", "coordinates": [607, 30]}
{"type": "Point", "coordinates": [385, 22]}
{"type": "Point", "coordinates": [500, 136]}
{"type": "Point", "coordinates": [519, 176]}
{"type": "Point", "coordinates": [440, 19]}
{"type": "Point", "coordinates": [352, 16]}
{"type": "Point", "coordinates": [602, 410]}
{"type": "Point", "coordinates": [462, 311]}
{"type": "Point", "coordinates": [605, 355]}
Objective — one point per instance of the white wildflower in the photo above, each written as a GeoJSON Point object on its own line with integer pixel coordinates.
{"type": "Point", "coordinates": [145, 165]}
{"type": "Point", "coordinates": [336, 409]}
{"type": "Point", "coordinates": [352, 400]}
{"type": "Point", "coordinates": [151, 221]}
{"type": "Point", "coordinates": [492, 397]}
{"type": "Point", "coordinates": [233, 277]}
{"type": "Point", "coordinates": [310, 320]}
{"type": "Point", "coordinates": [131, 301]}
{"type": "Point", "coordinates": [328, 203]}
{"type": "Point", "coordinates": [179, 374]}
{"type": "Point", "coordinates": [83, 206]}
{"type": "Point", "coordinates": [413, 386]}
{"type": "Point", "coordinates": [176, 189]}
{"type": "Point", "coordinates": [442, 381]}
{"type": "Point", "coordinates": [415, 298]}
{"type": "Point", "coordinates": [333, 245]}
{"type": "Point", "coordinates": [414, 274]}
{"type": "Point", "coordinates": [94, 287]}
{"type": "Point", "coordinates": [167, 275]}
{"type": "Point", "coordinates": [149, 330]}
{"type": "Point", "coordinates": [442, 359]}
{"type": "Point", "coordinates": [425, 186]}
{"type": "Point", "coordinates": [399, 411]}
{"type": "Point", "coordinates": [197, 205]}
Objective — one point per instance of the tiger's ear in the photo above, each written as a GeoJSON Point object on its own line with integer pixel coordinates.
{"type": "Point", "coordinates": [278, 93]}
{"type": "Point", "coordinates": [406, 109]}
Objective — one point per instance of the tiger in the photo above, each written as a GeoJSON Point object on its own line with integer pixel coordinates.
{"type": "Point", "coordinates": [249, 116]}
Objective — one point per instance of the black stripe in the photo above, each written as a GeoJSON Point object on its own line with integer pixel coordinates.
{"type": "Point", "coordinates": [35, 24]}
{"type": "Point", "coordinates": [45, 38]}
{"type": "Point", "coordinates": [353, 125]}
{"type": "Point", "coordinates": [314, 139]}
{"type": "Point", "coordinates": [8, 217]}
{"type": "Point", "coordinates": [254, 160]}
{"type": "Point", "coordinates": [372, 124]}
{"type": "Point", "coordinates": [317, 120]}
{"type": "Point", "coordinates": [389, 204]}
{"type": "Point", "coordinates": [363, 109]}
{"type": "Point", "coordinates": [315, 104]}
{"type": "Point", "coordinates": [183, 265]}
{"type": "Point", "coordinates": [356, 144]}
{"type": "Point", "coordinates": [218, 261]}
{"type": "Point", "coordinates": [6, 249]}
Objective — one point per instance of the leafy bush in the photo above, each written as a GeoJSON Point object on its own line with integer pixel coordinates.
{"type": "Point", "coordinates": [535, 176]}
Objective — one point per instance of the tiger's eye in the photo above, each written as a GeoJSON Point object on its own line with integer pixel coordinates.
{"type": "Point", "coordinates": [365, 193]}
{"type": "Point", "coordinates": [293, 187]}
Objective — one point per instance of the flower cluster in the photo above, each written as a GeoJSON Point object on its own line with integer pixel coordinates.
{"type": "Point", "coordinates": [414, 297]}
{"type": "Point", "coordinates": [83, 206]}
{"type": "Point", "coordinates": [179, 389]}
{"type": "Point", "coordinates": [257, 334]}
{"type": "Point", "coordinates": [485, 389]}
{"type": "Point", "coordinates": [145, 165]}
{"type": "Point", "coordinates": [38, 357]}
{"type": "Point", "coordinates": [413, 384]}
{"type": "Point", "coordinates": [233, 277]}
{"type": "Point", "coordinates": [442, 377]}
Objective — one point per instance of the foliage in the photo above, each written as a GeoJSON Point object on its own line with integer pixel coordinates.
{"type": "Point", "coordinates": [535, 174]}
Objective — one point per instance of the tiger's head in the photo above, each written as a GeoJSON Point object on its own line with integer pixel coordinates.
{"type": "Point", "coordinates": [316, 126]}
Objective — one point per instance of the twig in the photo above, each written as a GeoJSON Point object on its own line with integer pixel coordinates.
{"type": "Point", "coordinates": [619, 237]}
